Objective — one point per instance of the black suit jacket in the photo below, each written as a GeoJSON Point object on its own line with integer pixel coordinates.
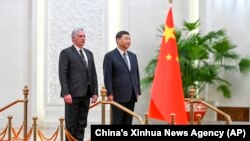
{"type": "Point", "coordinates": [74, 76]}
{"type": "Point", "coordinates": [118, 80]}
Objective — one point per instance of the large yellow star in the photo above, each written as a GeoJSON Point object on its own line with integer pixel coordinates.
{"type": "Point", "coordinates": [168, 33]}
{"type": "Point", "coordinates": [168, 57]}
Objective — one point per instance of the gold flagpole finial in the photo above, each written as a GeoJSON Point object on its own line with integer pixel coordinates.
{"type": "Point", "coordinates": [170, 1]}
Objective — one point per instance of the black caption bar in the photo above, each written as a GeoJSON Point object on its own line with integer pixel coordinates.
{"type": "Point", "coordinates": [201, 132]}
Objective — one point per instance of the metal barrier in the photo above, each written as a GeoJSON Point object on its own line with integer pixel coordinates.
{"type": "Point", "coordinates": [13, 135]}
{"type": "Point", "coordinates": [103, 102]}
{"type": "Point", "coordinates": [225, 115]}
{"type": "Point", "coordinates": [61, 128]}
{"type": "Point", "coordinates": [193, 100]}
{"type": "Point", "coordinates": [25, 115]}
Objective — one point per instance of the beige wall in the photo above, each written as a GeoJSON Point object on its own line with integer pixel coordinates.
{"type": "Point", "coordinates": [232, 16]}
{"type": "Point", "coordinates": [15, 59]}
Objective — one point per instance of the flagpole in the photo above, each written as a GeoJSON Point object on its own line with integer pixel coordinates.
{"type": "Point", "coordinates": [170, 2]}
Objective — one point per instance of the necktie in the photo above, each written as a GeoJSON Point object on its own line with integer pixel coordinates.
{"type": "Point", "coordinates": [83, 58]}
{"type": "Point", "coordinates": [126, 59]}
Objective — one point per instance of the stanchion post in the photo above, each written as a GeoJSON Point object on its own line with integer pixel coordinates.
{"type": "Point", "coordinates": [110, 114]}
{"type": "Point", "coordinates": [199, 119]}
{"type": "Point", "coordinates": [146, 121]}
{"type": "Point", "coordinates": [61, 128]}
{"type": "Point", "coordinates": [25, 115]}
{"type": "Point", "coordinates": [103, 94]}
{"type": "Point", "coordinates": [34, 127]}
{"type": "Point", "coordinates": [9, 127]}
{"type": "Point", "coordinates": [192, 94]}
{"type": "Point", "coordinates": [173, 119]}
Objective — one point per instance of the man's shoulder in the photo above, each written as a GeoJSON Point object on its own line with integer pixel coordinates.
{"type": "Point", "coordinates": [131, 53]}
{"type": "Point", "coordinates": [87, 50]}
{"type": "Point", "coordinates": [68, 48]}
{"type": "Point", "coordinates": [111, 52]}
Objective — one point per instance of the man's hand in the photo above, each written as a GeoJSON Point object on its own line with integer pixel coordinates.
{"type": "Point", "coordinates": [94, 98]}
{"type": "Point", "coordinates": [67, 98]}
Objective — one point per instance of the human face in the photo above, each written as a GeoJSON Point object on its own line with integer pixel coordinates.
{"type": "Point", "coordinates": [79, 39]}
{"type": "Point", "coordinates": [124, 42]}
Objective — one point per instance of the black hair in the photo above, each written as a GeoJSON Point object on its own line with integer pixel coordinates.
{"type": "Point", "coordinates": [120, 33]}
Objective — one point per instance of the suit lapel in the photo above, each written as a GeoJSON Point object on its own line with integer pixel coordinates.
{"type": "Point", "coordinates": [121, 58]}
{"type": "Point", "coordinates": [88, 57]}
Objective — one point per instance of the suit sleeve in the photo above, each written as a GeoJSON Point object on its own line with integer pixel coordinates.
{"type": "Point", "coordinates": [94, 79]}
{"type": "Point", "coordinates": [63, 72]}
{"type": "Point", "coordinates": [138, 78]}
{"type": "Point", "coordinates": [107, 72]}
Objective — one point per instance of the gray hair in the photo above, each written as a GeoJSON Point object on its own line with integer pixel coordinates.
{"type": "Point", "coordinates": [75, 31]}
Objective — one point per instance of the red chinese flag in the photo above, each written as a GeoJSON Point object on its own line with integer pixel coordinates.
{"type": "Point", "coordinates": [167, 93]}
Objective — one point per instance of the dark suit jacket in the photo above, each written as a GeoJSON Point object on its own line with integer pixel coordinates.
{"type": "Point", "coordinates": [118, 80]}
{"type": "Point", "coordinates": [74, 76]}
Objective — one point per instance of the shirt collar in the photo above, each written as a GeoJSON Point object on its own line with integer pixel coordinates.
{"type": "Point", "coordinates": [78, 49]}
{"type": "Point", "coordinates": [121, 52]}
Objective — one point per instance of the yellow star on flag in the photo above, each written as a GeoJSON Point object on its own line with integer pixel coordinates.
{"type": "Point", "coordinates": [168, 57]}
{"type": "Point", "coordinates": [168, 33]}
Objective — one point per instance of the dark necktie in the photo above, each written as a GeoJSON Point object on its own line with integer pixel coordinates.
{"type": "Point", "coordinates": [125, 59]}
{"type": "Point", "coordinates": [83, 58]}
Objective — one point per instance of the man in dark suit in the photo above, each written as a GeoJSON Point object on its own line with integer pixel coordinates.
{"type": "Point", "coordinates": [78, 81]}
{"type": "Point", "coordinates": [121, 78]}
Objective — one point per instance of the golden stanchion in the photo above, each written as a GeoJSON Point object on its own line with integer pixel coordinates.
{"type": "Point", "coordinates": [173, 119]}
{"type": "Point", "coordinates": [34, 127]}
{"type": "Point", "coordinates": [192, 91]}
{"type": "Point", "coordinates": [110, 114]}
{"type": "Point", "coordinates": [199, 119]}
{"type": "Point", "coordinates": [61, 128]}
{"type": "Point", "coordinates": [9, 127]}
{"type": "Point", "coordinates": [146, 121]}
{"type": "Point", "coordinates": [103, 94]}
{"type": "Point", "coordinates": [228, 121]}
{"type": "Point", "coordinates": [25, 115]}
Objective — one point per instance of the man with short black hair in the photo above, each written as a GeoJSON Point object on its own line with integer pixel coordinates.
{"type": "Point", "coordinates": [122, 78]}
